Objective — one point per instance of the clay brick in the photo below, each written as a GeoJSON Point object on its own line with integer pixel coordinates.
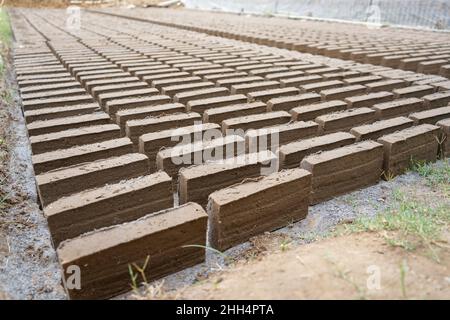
{"type": "Point", "coordinates": [196, 183]}
{"type": "Point", "coordinates": [229, 82]}
{"type": "Point", "coordinates": [217, 115]}
{"type": "Point", "coordinates": [185, 97]}
{"type": "Point", "coordinates": [413, 91]}
{"type": "Point", "coordinates": [136, 128]}
{"type": "Point", "coordinates": [256, 121]}
{"type": "Point", "coordinates": [342, 170]}
{"type": "Point", "coordinates": [173, 90]}
{"type": "Point", "coordinates": [104, 255]}
{"type": "Point", "coordinates": [312, 111]}
{"type": "Point", "coordinates": [216, 77]}
{"type": "Point", "coordinates": [343, 92]}
{"type": "Point", "coordinates": [129, 200]}
{"type": "Point", "coordinates": [444, 137]}
{"type": "Point", "coordinates": [56, 102]}
{"type": "Point", "coordinates": [435, 100]}
{"type": "Point", "coordinates": [345, 120]}
{"type": "Point", "coordinates": [60, 124]}
{"type": "Point", "coordinates": [114, 106]}
{"type": "Point", "coordinates": [121, 87]}
{"type": "Point", "coordinates": [430, 116]}
{"type": "Point", "coordinates": [368, 100]}
{"type": "Point", "coordinates": [254, 86]}
{"type": "Point", "coordinates": [203, 104]}
{"type": "Point", "coordinates": [363, 80]}
{"type": "Point", "coordinates": [171, 160]}
{"type": "Point", "coordinates": [151, 143]}
{"type": "Point", "coordinates": [160, 83]}
{"type": "Point", "coordinates": [385, 85]}
{"type": "Point", "coordinates": [320, 86]}
{"type": "Point", "coordinates": [73, 137]}
{"type": "Point", "coordinates": [240, 212]}
{"type": "Point", "coordinates": [261, 139]}
{"type": "Point", "coordinates": [400, 107]}
{"type": "Point", "coordinates": [291, 154]}
{"type": "Point", "coordinates": [266, 95]}
{"type": "Point", "coordinates": [94, 83]}
{"type": "Point", "coordinates": [59, 112]}
{"type": "Point", "coordinates": [418, 143]}
{"type": "Point", "coordinates": [300, 81]}
{"type": "Point", "coordinates": [380, 128]}
{"type": "Point", "coordinates": [122, 116]}
{"type": "Point", "coordinates": [47, 87]}
{"type": "Point", "coordinates": [65, 181]}
{"type": "Point", "coordinates": [287, 103]}
{"type": "Point", "coordinates": [52, 160]}
{"type": "Point", "coordinates": [284, 75]}
{"type": "Point", "coordinates": [45, 81]}
{"type": "Point", "coordinates": [104, 98]}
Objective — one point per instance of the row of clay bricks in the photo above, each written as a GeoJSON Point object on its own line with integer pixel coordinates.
{"type": "Point", "coordinates": [237, 208]}
{"type": "Point", "coordinates": [424, 52]}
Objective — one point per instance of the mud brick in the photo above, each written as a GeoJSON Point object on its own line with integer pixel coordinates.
{"type": "Point", "coordinates": [312, 111]}
{"type": "Point", "coordinates": [45, 82]}
{"type": "Point", "coordinates": [256, 121]}
{"type": "Point", "coordinates": [85, 69]}
{"type": "Point", "coordinates": [65, 181]}
{"type": "Point", "coordinates": [151, 143]}
{"type": "Point", "coordinates": [53, 94]}
{"type": "Point", "coordinates": [319, 86]}
{"type": "Point", "coordinates": [159, 84]}
{"type": "Point", "coordinates": [305, 67]}
{"type": "Point", "coordinates": [272, 137]}
{"type": "Point", "coordinates": [136, 128]}
{"type": "Point", "coordinates": [113, 106]}
{"type": "Point", "coordinates": [39, 71]}
{"type": "Point", "coordinates": [400, 107]}
{"type": "Point", "coordinates": [171, 160]}
{"type": "Point", "coordinates": [55, 76]}
{"type": "Point", "coordinates": [290, 155]}
{"type": "Point", "coordinates": [211, 103]}
{"type": "Point", "coordinates": [343, 92]}
{"type": "Point", "coordinates": [202, 73]}
{"type": "Point", "coordinates": [173, 90]}
{"type": "Point", "coordinates": [444, 137]}
{"type": "Point", "coordinates": [145, 74]}
{"type": "Point", "coordinates": [363, 80]}
{"type": "Point", "coordinates": [287, 103]}
{"type": "Point", "coordinates": [229, 82]}
{"type": "Point", "coordinates": [300, 81]}
{"type": "Point", "coordinates": [436, 100]}
{"type": "Point", "coordinates": [48, 87]}
{"type": "Point", "coordinates": [104, 255]}
{"type": "Point", "coordinates": [380, 128]}
{"type": "Point", "coordinates": [432, 66]}
{"type": "Point", "coordinates": [345, 120]}
{"type": "Point", "coordinates": [322, 70]}
{"type": "Point", "coordinates": [105, 97]}
{"type": "Point", "coordinates": [442, 86]}
{"type": "Point", "coordinates": [112, 88]}
{"type": "Point", "coordinates": [284, 75]}
{"type": "Point", "coordinates": [385, 85]}
{"type": "Point", "coordinates": [73, 137]}
{"type": "Point", "coordinates": [104, 76]}
{"type": "Point", "coordinates": [368, 100]}
{"type": "Point", "coordinates": [60, 124]}
{"type": "Point", "coordinates": [129, 200]}
{"type": "Point", "coordinates": [216, 77]}
{"type": "Point", "coordinates": [52, 160]}
{"type": "Point", "coordinates": [240, 212]}
{"type": "Point", "coordinates": [122, 116]}
{"type": "Point", "coordinates": [341, 75]}
{"type": "Point", "coordinates": [254, 86]}
{"type": "Point", "coordinates": [413, 91]}
{"type": "Point", "coordinates": [199, 67]}
{"type": "Point", "coordinates": [107, 82]}
{"type": "Point", "coordinates": [411, 64]}
{"type": "Point", "coordinates": [84, 74]}
{"type": "Point", "coordinates": [217, 115]}
{"type": "Point", "coordinates": [266, 95]}
{"type": "Point", "coordinates": [430, 116]}
{"type": "Point", "coordinates": [445, 71]}
{"type": "Point", "coordinates": [56, 102]}
{"type": "Point", "coordinates": [402, 148]}
{"type": "Point", "coordinates": [266, 71]}
{"type": "Point", "coordinates": [161, 76]}
{"type": "Point", "coordinates": [208, 93]}
{"type": "Point", "coordinates": [342, 170]}
{"type": "Point", "coordinates": [393, 61]}
{"type": "Point", "coordinates": [60, 112]}
{"type": "Point", "coordinates": [196, 183]}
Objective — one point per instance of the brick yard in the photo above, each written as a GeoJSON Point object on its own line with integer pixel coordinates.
{"type": "Point", "coordinates": [290, 114]}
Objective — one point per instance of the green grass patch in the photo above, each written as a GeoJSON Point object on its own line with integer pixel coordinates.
{"type": "Point", "coordinates": [5, 36]}
{"type": "Point", "coordinates": [407, 223]}
{"type": "Point", "coordinates": [435, 174]}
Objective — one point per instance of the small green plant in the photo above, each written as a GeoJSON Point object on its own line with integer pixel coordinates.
{"type": "Point", "coordinates": [435, 174]}
{"type": "Point", "coordinates": [140, 271]}
{"type": "Point", "coordinates": [403, 271]}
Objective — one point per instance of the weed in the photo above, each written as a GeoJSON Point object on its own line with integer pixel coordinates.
{"type": "Point", "coordinates": [403, 271]}
{"type": "Point", "coordinates": [436, 175]}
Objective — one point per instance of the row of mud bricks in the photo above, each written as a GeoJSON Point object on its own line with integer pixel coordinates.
{"type": "Point", "coordinates": [102, 105]}
{"type": "Point", "coordinates": [408, 49]}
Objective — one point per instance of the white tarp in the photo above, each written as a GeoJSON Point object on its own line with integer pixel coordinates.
{"type": "Point", "coordinates": [419, 13]}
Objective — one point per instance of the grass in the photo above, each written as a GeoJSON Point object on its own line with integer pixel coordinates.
{"type": "Point", "coordinates": [407, 223]}
{"type": "Point", "coordinates": [436, 175]}
{"type": "Point", "coordinates": [5, 36]}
